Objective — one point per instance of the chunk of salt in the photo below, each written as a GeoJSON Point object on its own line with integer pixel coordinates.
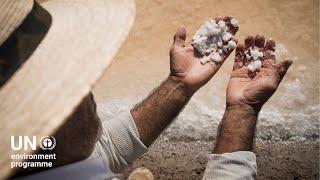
{"type": "Point", "coordinates": [212, 38]}
{"type": "Point", "coordinates": [216, 57]}
{"type": "Point", "coordinates": [232, 45]}
{"type": "Point", "coordinates": [248, 57]}
{"type": "Point", "coordinates": [234, 22]}
{"type": "Point", "coordinates": [256, 54]}
{"type": "Point", "coordinates": [251, 68]}
{"type": "Point", "coordinates": [257, 64]}
{"type": "Point", "coordinates": [221, 24]}
{"type": "Point", "coordinates": [226, 37]}
{"type": "Point", "coordinates": [205, 59]}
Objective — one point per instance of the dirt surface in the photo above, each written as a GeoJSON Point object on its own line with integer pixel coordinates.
{"type": "Point", "coordinates": [276, 160]}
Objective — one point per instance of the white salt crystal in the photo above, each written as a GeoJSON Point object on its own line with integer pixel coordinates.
{"type": "Point", "coordinates": [215, 31]}
{"type": "Point", "coordinates": [221, 24]}
{"type": "Point", "coordinates": [208, 24]}
{"type": "Point", "coordinates": [248, 56]}
{"type": "Point", "coordinates": [216, 57]}
{"type": "Point", "coordinates": [232, 45]}
{"type": "Point", "coordinates": [205, 59]}
{"type": "Point", "coordinates": [203, 31]}
{"type": "Point", "coordinates": [226, 37]}
{"type": "Point", "coordinates": [209, 39]}
{"type": "Point", "coordinates": [214, 23]}
{"type": "Point", "coordinates": [234, 22]}
{"type": "Point", "coordinates": [257, 64]}
{"type": "Point", "coordinates": [251, 68]}
{"type": "Point", "coordinates": [225, 48]}
{"type": "Point", "coordinates": [195, 37]}
{"type": "Point", "coordinates": [197, 40]}
{"type": "Point", "coordinates": [255, 53]}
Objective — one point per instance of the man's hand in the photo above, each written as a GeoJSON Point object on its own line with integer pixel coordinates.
{"type": "Point", "coordinates": [185, 60]}
{"type": "Point", "coordinates": [187, 75]}
{"type": "Point", "coordinates": [246, 93]}
{"type": "Point", "coordinates": [254, 89]}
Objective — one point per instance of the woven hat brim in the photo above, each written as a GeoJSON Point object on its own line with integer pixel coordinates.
{"type": "Point", "coordinates": [9, 23]}
{"type": "Point", "coordinates": [83, 38]}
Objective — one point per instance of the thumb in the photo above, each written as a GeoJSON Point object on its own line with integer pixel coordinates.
{"type": "Point", "coordinates": [180, 36]}
{"type": "Point", "coordinates": [283, 67]}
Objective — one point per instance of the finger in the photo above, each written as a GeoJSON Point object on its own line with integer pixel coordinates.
{"type": "Point", "coordinates": [189, 48]}
{"type": "Point", "coordinates": [259, 41]}
{"type": "Point", "coordinates": [269, 63]}
{"type": "Point", "coordinates": [269, 52]}
{"type": "Point", "coordinates": [249, 41]}
{"type": "Point", "coordinates": [283, 67]}
{"type": "Point", "coordinates": [218, 18]}
{"type": "Point", "coordinates": [233, 45]}
{"type": "Point", "coordinates": [180, 36]}
{"type": "Point", "coordinates": [271, 44]}
{"type": "Point", "coordinates": [227, 18]}
{"type": "Point", "coordinates": [231, 28]}
{"type": "Point", "coordinates": [239, 59]}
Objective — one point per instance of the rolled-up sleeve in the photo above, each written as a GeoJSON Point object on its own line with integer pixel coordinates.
{"type": "Point", "coordinates": [119, 144]}
{"type": "Point", "coordinates": [236, 165]}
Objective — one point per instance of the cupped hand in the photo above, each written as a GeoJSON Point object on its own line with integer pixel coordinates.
{"type": "Point", "coordinates": [185, 60]}
{"type": "Point", "coordinates": [255, 88]}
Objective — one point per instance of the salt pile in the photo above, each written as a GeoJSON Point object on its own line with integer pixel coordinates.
{"type": "Point", "coordinates": [255, 55]}
{"type": "Point", "coordinates": [212, 38]}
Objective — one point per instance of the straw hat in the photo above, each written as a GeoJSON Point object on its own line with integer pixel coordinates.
{"type": "Point", "coordinates": [82, 38]}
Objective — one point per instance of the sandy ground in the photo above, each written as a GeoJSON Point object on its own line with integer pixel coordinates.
{"type": "Point", "coordinates": [287, 142]}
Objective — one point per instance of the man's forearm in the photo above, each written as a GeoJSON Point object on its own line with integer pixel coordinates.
{"type": "Point", "coordinates": [237, 129]}
{"type": "Point", "coordinates": [156, 112]}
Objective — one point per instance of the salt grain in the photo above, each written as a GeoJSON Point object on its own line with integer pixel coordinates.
{"type": "Point", "coordinates": [255, 55]}
{"type": "Point", "coordinates": [213, 38]}
{"type": "Point", "coordinates": [248, 56]}
{"type": "Point", "coordinates": [251, 68]}
{"type": "Point", "coordinates": [216, 57]}
{"type": "Point", "coordinates": [234, 22]}
{"type": "Point", "coordinates": [257, 64]}
{"type": "Point", "coordinates": [226, 37]}
{"type": "Point", "coordinates": [232, 45]}
{"type": "Point", "coordinates": [205, 59]}
{"type": "Point", "coordinates": [225, 48]}
{"type": "Point", "coordinates": [221, 24]}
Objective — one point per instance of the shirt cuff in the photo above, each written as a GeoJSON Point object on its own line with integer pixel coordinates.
{"type": "Point", "coordinates": [236, 165]}
{"type": "Point", "coordinates": [125, 136]}
{"type": "Point", "coordinates": [120, 142]}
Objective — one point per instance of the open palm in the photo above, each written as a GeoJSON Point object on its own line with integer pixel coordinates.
{"type": "Point", "coordinates": [255, 88]}
{"type": "Point", "coordinates": [185, 60]}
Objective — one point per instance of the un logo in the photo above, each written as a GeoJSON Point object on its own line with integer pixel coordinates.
{"type": "Point", "coordinates": [47, 142]}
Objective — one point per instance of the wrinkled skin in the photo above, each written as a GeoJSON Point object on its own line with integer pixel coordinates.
{"type": "Point", "coordinates": [255, 88]}
{"type": "Point", "coordinates": [185, 60]}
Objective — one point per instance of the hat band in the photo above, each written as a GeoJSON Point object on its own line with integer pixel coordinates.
{"type": "Point", "coordinates": [23, 41]}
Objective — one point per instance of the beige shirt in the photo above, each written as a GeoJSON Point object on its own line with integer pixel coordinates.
{"type": "Point", "coordinates": [120, 145]}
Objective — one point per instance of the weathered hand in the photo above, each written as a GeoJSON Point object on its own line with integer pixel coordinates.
{"type": "Point", "coordinates": [185, 63]}
{"type": "Point", "coordinates": [254, 89]}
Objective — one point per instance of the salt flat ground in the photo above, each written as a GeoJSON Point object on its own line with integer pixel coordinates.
{"type": "Point", "coordinates": [287, 142]}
